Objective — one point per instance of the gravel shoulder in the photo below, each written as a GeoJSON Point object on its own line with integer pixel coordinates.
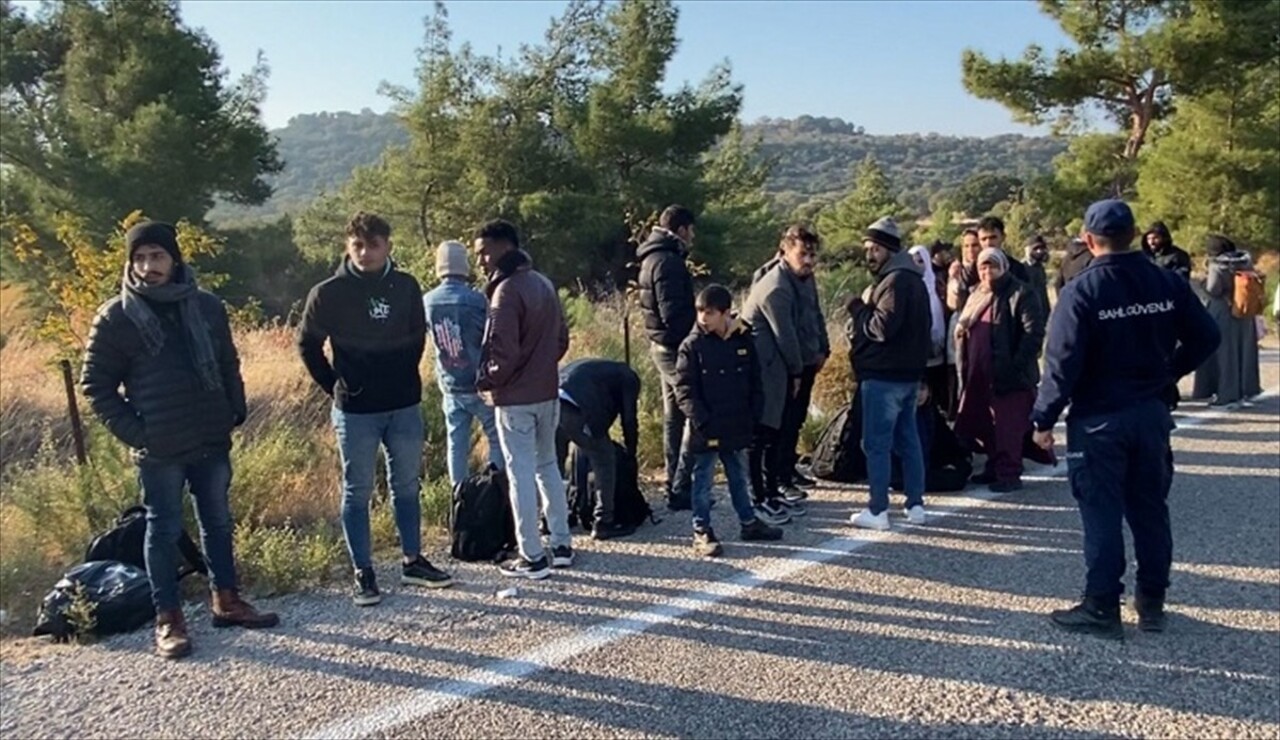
{"type": "Point", "coordinates": [934, 631]}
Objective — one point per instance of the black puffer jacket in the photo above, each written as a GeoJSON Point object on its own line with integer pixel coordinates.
{"type": "Point", "coordinates": [1078, 257]}
{"type": "Point", "coordinates": [718, 388]}
{"type": "Point", "coordinates": [666, 289]}
{"type": "Point", "coordinates": [165, 414]}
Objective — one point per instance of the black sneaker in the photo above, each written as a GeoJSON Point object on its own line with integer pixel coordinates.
{"type": "Point", "coordinates": [422, 573]}
{"type": "Point", "coordinates": [610, 531]}
{"type": "Point", "coordinates": [792, 494]}
{"type": "Point", "coordinates": [802, 480]}
{"type": "Point", "coordinates": [1006, 486]}
{"type": "Point", "coordinates": [521, 568]}
{"type": "Point", "coordinates": [366, 591]}
{"type": "Point", "coordinates": [562, 557]}
{"type": "Point", "coordinates": [794, 508]}
{"type": "Point", "coordinates": [706, 545]}
{"type": "Point", "coordinates": [773, 511]}
{"type": "Point", "coordinates": [983, 479]}
{"type": "Point", "coordinates": [1088, 618]}
{"type": "Point", "coordinates": [1151, 616]}
{"type": "Point", "coordinates": [756, 530]}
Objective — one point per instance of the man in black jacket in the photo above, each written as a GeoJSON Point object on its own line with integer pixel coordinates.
{"type": "Point", "coordinates": [169, 345]}
{"type": "Point", "coordinates": [373, 317]}
{"type": "Point", "coordinates": [991, 236]}
{"type": "Point", "coordinates": [891, 346]}
{"type": "Point", "coordinates": [666, 302]}
{"type": "Point", "coordinates": [1077, 258]}
{"type": "Point", "coordinates": [1158, 243]}
{"type": "Point", "coordinates": [593, 394]}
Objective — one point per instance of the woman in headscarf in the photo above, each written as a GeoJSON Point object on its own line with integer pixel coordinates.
{"type": "Point", "coordinates": [1229, 377]}
{"type": "Point", "coordinates": [939, 374]}
{"type": "Point", "coordinates": [998, 339]}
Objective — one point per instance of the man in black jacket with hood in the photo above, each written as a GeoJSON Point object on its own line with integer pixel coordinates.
{"type": "Point", "coordinates": [1078, 257]}
{"type": "Point", "coordinates": [1158, 243]}
{"type": "Point", "coordinates": [373, 317]}
{"type": "Point", "coordinates": [666, 302]}
{"type": "Point", "coordinates": [169, 345]}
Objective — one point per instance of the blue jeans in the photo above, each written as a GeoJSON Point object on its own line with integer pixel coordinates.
{"type": "Point", "coordinates": [209, 480]}
{"type": "Point", "coordinates": [400, 434]}
{"type": "Point", "coordinates": [459, 410]}
{"type": "Point", "coordinates": [704, 472]}
{"type": "Point", "coordinates": [888, 429]}
{"type": "Point", "coordinates": [528, 436]}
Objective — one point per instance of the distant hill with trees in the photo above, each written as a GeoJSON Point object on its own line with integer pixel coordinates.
{"type": "Point", "coordinates": [813, 159]}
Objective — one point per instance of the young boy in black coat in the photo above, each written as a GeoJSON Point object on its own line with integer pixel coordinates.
{"type": "Point", "coordinates": [718, 388]}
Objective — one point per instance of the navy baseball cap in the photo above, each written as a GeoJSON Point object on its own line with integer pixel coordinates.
{"type": "Point", "coordinates": [1109, 218]}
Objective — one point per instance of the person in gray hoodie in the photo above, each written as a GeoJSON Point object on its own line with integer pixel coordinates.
{"type": "Point", "coordinates": [779, 313]}
{"type": "Point", "coordinates": [891, 343]}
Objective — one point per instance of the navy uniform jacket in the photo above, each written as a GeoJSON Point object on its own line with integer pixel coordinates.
{"type": "Point", "coordinates": [1123, 332]}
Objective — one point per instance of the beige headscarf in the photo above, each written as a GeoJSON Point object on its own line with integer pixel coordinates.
{"type": "Point", "coordinates": [981, 297]}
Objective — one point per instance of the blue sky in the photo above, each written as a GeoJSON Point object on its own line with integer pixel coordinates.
{"type": "Point", "coordinates": [891, 67]}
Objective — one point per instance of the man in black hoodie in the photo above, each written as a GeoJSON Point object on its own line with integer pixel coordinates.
{"type": "Point", "coordinates": [1158, 244]}
{"type": "Point", "coordinates": [666, 302]}
{"type": "Point", "coordinates": [373, 317]}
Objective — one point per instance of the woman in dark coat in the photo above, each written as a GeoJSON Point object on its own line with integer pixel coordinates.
{"type": "Point", "coordinates": [1230, 376]}
{"type": "Point", "coordinates": [998, 340]}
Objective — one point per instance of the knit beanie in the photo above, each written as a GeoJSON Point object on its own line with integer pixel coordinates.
{"type": "Point", "coordinates": [153, 232]}
{"type": "Point", "coordinates": [885, 233]}
{"type": "Point", "coordinates": [451, 260]}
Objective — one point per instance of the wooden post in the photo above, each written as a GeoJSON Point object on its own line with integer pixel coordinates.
{"type": "Point", "coordinates": [73, 412]}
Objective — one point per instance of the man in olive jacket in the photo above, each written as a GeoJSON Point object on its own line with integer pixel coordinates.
{"type": "Point", "coordinates": [169, 345]}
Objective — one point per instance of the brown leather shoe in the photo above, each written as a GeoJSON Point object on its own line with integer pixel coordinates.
{"type": "Point", "coordinates": [171, 635]}
{"type": "Point", "coordinates": [229, 610]}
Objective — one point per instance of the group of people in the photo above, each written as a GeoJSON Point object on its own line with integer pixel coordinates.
{"type": "Point", "coordinates": [162, 373]}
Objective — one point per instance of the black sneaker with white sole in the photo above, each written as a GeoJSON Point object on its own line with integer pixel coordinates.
{"type": "Point", "coordinates": [366, 591]}
{"type": "Point", "coordinates": [801, 480]}
{"type": "Point", "coordinates": [757, 531]}
{"type": "Point", "coordinates": [422, 573]}
{"type": "Point", "coordinates": [794, 508]}
{"type": "Point", "coordinates": [773, 511]}
{"type": "Point", "coordinates": [793, 494]}
{"type": "Point", "coordinates": [521, 568]}
{"type": "Point", "coordinates": [562, 557]}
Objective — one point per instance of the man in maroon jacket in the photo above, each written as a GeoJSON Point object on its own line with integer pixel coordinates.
{"type": "Point", "coordinates": [524, 339]}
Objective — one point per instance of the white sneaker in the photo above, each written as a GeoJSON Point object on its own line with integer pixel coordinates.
{"type": "Point", "coordinates": [866, 520]}
{"type": "Point", "coordinates": [915, 514]}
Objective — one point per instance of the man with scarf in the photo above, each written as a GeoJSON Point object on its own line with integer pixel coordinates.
{"type": "Point", "coordinates": [372, 315]}
{"type": "Point", "coordinates": [1158, 244]}
{"type": "Point", "coordinates": [1123, 332]}
{"type": "Point", "coordinates": [524, 339]}
{"type": "Point", "coordinates": [169, 345]}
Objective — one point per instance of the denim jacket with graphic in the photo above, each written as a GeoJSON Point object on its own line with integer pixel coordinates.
{"type": "Point", "coordinates": [455, 322]}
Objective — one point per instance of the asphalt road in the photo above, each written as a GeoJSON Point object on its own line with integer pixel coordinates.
{"type": "Point", "coordinates": [934, 631]}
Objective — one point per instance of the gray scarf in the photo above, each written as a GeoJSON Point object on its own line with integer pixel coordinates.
{"type": "Point", "coordinates": [182, 289]}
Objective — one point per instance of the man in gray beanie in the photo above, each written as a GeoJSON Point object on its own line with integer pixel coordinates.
{"type": "Point", "coordinates": [169, 345]}
{"type": "Point", "coordinates": [891, 345]}
{"type": "Point", "coordinates": [455, 322]}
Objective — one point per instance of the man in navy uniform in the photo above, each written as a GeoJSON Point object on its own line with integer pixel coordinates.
{"type": "Point", "coordinates": [1123, 333]}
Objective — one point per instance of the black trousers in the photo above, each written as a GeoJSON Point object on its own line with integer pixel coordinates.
{"type": "Point", "coordinates": [763, 464]}
{"type": "Point", "coordinates": [1121, 467]}
{"type": "Point", "coordinates": [793, 416]}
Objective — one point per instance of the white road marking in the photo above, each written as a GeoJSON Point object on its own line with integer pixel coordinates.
{"type": "Point", "coordinates": [448, 694]}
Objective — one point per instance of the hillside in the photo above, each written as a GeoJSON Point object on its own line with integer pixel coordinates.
{"type": "Point", "coordinates": [814, 157]}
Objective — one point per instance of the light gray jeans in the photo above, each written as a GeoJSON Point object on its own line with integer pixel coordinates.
{"type": "Point", "coordinates": [528, 437]}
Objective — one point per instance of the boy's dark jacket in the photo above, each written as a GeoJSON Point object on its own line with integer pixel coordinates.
{"type": "Point", "coordinates": [377, 328]}
{"type": "Point", "coordinates": [718, 388]}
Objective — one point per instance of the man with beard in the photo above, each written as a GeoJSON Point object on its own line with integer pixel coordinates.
{"type": "Point", "coordinates": [1158, 243]}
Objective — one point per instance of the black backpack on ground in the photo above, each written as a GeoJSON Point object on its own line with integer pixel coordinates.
{"type": "Point", "coordinates": [838, 454]}
{"type": "Point", "coordinates": [629, 504]}
{"type": "Point", "coordinates": [119, 595]}
{"type": "Point", "coordinates": [481, 527]}
{"type": "Point", "coordinates": [124, 543]}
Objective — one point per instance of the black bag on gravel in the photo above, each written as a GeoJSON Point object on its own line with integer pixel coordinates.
{"type": "Point", "coordinates": [481, 527]}
{"type": "Point", "coordinates": [124, 543]}
{"type": "Point", "coordinates": [630, 506]}
{"type": "Point", "coordinates": [118, 596]}
{"type": "Point", "coordinates": [838, 454]}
